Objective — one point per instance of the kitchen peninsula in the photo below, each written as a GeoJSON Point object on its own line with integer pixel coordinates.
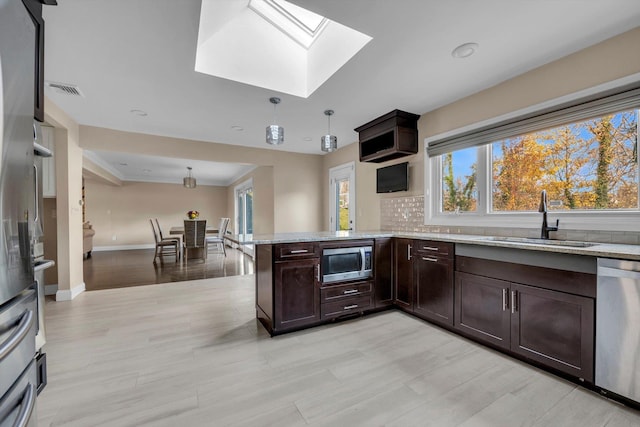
{"type": "Point", "coordinates": [530, 298]}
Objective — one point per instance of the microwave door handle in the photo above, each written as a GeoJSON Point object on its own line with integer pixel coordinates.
{"type": "Point", "coordinates": [362, 263]}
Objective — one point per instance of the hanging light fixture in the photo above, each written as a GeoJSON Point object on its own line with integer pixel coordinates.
{"type": "Point", "coordinates": [275, 133]}
{"type": "Point", "coordinates": [189, 181]}
{"type": "Point", "coordinates": [328, 142]}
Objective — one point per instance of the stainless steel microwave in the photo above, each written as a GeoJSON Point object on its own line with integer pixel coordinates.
{"type": "Point", "coordinates": [341, 264]}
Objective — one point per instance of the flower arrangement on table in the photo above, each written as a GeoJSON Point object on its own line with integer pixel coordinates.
{"type": "Point", "coordinates": [193, 214]}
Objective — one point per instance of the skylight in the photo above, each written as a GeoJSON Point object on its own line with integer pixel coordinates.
{"type": "Point", "coordinates": [302, 25]}
{"type": "Point", "coordinates": [272, 44]}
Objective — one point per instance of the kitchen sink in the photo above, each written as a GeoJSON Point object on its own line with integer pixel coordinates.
{"type": "Point", "coordinates": [533, 241]}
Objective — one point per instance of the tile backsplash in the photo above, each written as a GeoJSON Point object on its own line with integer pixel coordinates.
{"type": "Point", "coordinates": [407, 214]}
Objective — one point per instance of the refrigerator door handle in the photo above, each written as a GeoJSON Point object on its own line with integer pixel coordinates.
{"type": "Point", "coordinates": [18, 335]}
{"type": "Point", "coordinates": [35, 195]}
{"type": "Point", "coordinates": [27, 404]}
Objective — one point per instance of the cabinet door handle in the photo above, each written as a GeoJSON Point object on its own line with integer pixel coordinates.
{"type": "Point", "coordinates": [430, 248]}
{"type": "Point", "coordinates": [430, 259]}
{"type": "Point", "coordinates": [318, 272]}
{"type": "Point", "coordinates": [349, 307]}
{"type": "Point", "coordinates": [505, 300]}
{"type": "Point", "coordinates": [408, 252]}
{"type": "Point", "coordinates": [514, 302]}
{"type": "Point", "coordinates": [350, 291]}
{"type": "Point", "coordinates": [299, 251]}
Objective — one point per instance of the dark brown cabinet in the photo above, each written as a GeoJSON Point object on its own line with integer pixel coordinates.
{"type": "Point", "coordinates": [553, 328]}
{"type": "Point", "coordinates": [403, 279]}
{"type": "Point", "coordinates": [388, 137]}
{"type": "Point", "coordinates": [547, 326]}
{"type": "Point", "coordinates": [433, 278]}
{"type": "Point", "coordinates": [482, 309]}
{"type": "Point", "coordinates": [346, 299]}
{"type": "Point", "coordinates": [383, 272]}
{"type": "Point", "coordinates": [297, 293]}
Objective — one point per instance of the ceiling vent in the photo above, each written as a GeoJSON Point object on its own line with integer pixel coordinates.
{"type": "Point", "coordinates": [64, 88]}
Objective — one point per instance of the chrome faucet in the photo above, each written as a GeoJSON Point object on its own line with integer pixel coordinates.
{"type": "Point", "coordinates": [543, 209]}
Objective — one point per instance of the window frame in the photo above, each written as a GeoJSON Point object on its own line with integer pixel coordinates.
{"type": "Point", "coordinates": [601, 220]}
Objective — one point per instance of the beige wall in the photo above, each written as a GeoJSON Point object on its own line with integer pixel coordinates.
{"type": "Point", "coordinates": [123, 212]}
{"type": "Point", "coordinates": [68, 163]}
{"type": "Point", "coordinates": [598, 64]}
{"type": "Point", "coordinates": [595, 65]}
{"type": "Point", "coordinates": [367, 200]}
{"type": "Point", "coordinates": [296, 183]}
{"type": "Point", "coordinates": [263, 200]}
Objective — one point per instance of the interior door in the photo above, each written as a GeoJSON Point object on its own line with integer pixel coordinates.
{"type": "Point", "coordinates": [342, 197]}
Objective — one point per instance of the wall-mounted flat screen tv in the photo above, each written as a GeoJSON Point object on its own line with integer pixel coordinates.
{"type": "Point", "coordinates": [393, 178]}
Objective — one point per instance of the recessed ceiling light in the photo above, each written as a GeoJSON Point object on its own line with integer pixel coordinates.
{"type": "Point", "coordinates": [139, 113]}
{"type": "Point", "coordinates": [237, 128]}
{"type": "Point", "coordinates": [465, 50]}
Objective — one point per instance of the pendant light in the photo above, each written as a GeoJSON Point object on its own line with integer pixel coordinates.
{"type": "Point", "coordinates": [189, 181]}
{"type": "Point", "coordinates": [328, 142]}
{"type": "Point", "coordinates": [275, 133]}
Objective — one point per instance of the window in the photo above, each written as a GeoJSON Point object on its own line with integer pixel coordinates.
{"type": "Point", "coordinates": [588, 165]}
{"type": "Point", "coordinates": [459, 176]}
{"type": "Point", "coordinates": [342, 197]}
{"type": "Point", "coordinates": [584, 155]}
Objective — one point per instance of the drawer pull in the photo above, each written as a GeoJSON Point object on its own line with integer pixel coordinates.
{"type": "Point", "coordinates": [430, 259]}
{"type": "Point", "coordinates": [430, 248]}
{"type": "Point", "coordinates": [350, 291]}
{"type": "Point", "coordinates": [349, 307]}
{"type": "Point", "coordinates": [299, 251]}
{"type": "Point", "coordinates": [21, 331]}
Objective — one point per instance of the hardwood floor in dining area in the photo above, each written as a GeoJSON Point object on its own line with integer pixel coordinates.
{"type": "Point", "coordinates": [121, 269]}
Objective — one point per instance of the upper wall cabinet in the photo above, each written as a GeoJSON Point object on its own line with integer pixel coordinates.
{"type": "Point", "coordinates": [389, 137]}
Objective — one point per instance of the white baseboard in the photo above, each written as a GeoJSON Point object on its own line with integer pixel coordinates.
{"type": "Point", "coordinates": [123, 247]}
{"type": "Point", "coordinates": [68, 295]}
{"type": "Point", "coordinates": [50, 289]}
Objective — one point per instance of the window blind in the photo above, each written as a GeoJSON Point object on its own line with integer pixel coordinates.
{"type": "Point", "coordinates": [598, 105]}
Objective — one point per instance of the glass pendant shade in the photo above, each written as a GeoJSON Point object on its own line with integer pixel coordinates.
{"type": "Point", "coordinates": [328, 142]}
{"type": "Point", "coordinates": [275, 135]}
{"type": "Point", "coordinates": [189, 181]}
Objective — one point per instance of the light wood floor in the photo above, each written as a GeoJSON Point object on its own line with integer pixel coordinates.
{"type": "Point", "coordinates": [120, 269]}
{"type": "Point", "coordinates": [192, 354]}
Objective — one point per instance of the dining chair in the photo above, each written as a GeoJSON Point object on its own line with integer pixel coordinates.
{"type": "Point", "coordinates": [164, 247]}
{"type": "Point", "coordinates": [219, 239]}
{"type": "Point", "coordinates": [162, 238]}
{"type": "Point", "coordinates": [194, 237]}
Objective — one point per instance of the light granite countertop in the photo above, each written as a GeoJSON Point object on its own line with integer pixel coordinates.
{"type": "Point", "coordinates": [604, 250]}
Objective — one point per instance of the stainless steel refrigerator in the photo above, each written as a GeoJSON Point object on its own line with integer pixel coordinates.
{"type": "Point", "coordinates": [18, 306]}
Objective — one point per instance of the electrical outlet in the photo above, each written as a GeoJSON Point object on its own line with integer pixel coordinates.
{"type": "Point", "coordinates": [114, 237]}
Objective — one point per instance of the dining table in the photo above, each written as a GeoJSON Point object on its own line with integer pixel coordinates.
{"type": "Point", "coordinates": [179, 230]}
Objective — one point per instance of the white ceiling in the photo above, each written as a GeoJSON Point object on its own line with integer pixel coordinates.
{"type": "Point", "coordinates": [148, 168]}
{"type": "Point", "coordinates": [140, 54]}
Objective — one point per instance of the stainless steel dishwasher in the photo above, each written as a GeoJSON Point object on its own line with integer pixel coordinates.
{"type": "Point", "coordinates": [618, 327]}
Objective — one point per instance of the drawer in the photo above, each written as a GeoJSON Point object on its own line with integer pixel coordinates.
{"type": "Point", "coordinates": [346, 306]}
{"type": "Point", "coordinates": [337, 292]}
{"type": "Point", "coordinates": [433, 248]}
{"type": "Point", "coordinates": [18, 405]}
{"type": "Point", "coordinates": [18, 322]}
{"type": "Point", "coordinates": [287, 251]}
